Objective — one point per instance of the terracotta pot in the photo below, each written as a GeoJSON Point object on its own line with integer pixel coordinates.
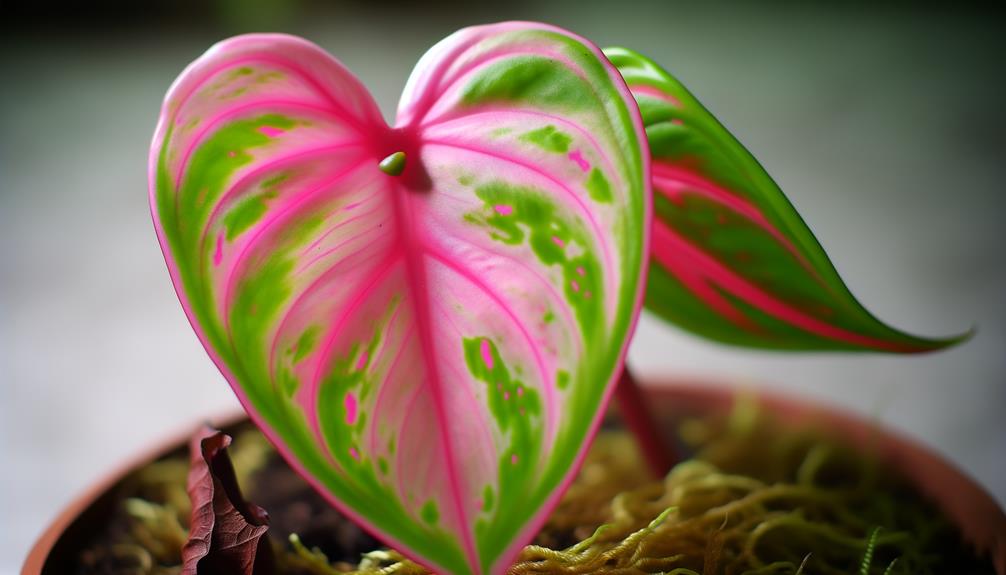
{"type": "Point", "coordinates": [977, 515]}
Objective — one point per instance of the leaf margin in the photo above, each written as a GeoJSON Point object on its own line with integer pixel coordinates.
{"type": "Point", "coordinates": [639, 70]}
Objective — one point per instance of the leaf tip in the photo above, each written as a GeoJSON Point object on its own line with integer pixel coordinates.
{"type": "Point", "coordinates": [906, 343]}
{"type": "Point", "coordinates": [939, 344]}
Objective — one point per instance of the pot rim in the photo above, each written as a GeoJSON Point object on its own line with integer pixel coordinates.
{"type": "Point", "coordinates": [974, 511]}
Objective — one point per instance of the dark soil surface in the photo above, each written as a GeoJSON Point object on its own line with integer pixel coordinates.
{"type": "Point", "coordinates": [751, 500]}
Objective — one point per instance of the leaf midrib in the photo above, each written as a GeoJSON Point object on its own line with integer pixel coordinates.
{"type": "Point", "coordinates": [416, 281]}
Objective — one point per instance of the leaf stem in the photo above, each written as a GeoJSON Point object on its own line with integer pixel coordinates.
{"type": "Point", "coordinates": [660, 453]}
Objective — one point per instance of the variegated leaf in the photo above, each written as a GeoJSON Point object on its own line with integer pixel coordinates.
{"type": "Point", "coordinates": [731, 259]}
{"type": "Point", "coordinates": [428, 319]}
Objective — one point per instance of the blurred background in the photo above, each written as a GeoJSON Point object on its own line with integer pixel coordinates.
{"type": "Point", "coordinates": [886, 126]}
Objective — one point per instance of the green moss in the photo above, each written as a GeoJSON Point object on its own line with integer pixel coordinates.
{"type": "Point", "coordinates": [754, 500]}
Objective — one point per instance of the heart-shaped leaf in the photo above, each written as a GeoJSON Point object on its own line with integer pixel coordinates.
{"type": "Point", "coordinates": [731, 259]}
{"type": "Point", "coordinates": [428, 319]}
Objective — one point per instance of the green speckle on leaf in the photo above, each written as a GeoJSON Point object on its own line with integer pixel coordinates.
{"type": "Point", "coordinates": [488, 498]}
{"type": "Point", "coordinates": [245, 214]}
{"type": "Point", "coordinates": [382, 465]}
{"type": "Point", "coordinates": [213, 165]}
{"type": "Point", "coordinates": [305, 343]}
{"type": "Point", "coordinates": [273, 181]}
{"type": "Point", "coordinates": [505, 401]}
{"type": "Point", "coordinates": [561, 379]}
{"type": "Point", "coordinates": [304, 230]}
{"type": "Point", "coordinates": [429, 512]}
{"type": "Point", "coordinates": [598, 186]}
{"type": "Point", "coordinates": [549, 233]}
{"type": "Point", "coordinates": [549, 317]}
{"type": "Point", "coordinates": [347, 376]}
{"type": "Point", "coordinates": [259, 297]}
{"type": "Point", "coordinates": [236, 93]}
{"type": "Point", "coordinates": [287, 382]}
{"type": "Point", "coordinates": [266, 77]}
{"type": "Point", "coordinates": [537, 80]}
{"type": "Point", "coordinates": [517, 410]}
{"type": "Point", "coordinates": [549, 139]}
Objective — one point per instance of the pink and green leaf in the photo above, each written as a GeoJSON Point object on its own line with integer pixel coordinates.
{"type": "Point", "coordinates": [426, 319]}
{"type": "Point", "coordinates": [731, 260]}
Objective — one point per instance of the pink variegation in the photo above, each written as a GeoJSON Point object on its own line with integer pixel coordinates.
{"type": "Point", "coordinates": [732, 259]}
{"type": "Point", "coordinates": [426, 319]}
